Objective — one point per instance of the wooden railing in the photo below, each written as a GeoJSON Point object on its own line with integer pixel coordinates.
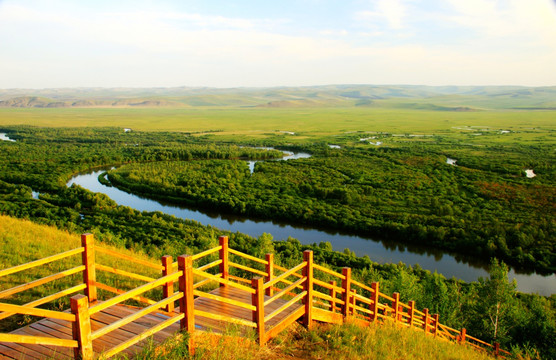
{"type": "Point", "coordinates": [30, 308]}
{"type": "Point", "coordinates": [276, 297]}
{"type": "Point", "coordinates": [85, 305]}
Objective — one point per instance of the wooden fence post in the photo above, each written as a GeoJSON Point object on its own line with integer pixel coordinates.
{"type": "Point", "coordinates": [462, 335]}
{"type": "Point", "coordinates": [333, 296]}
{"type": "Point", "coordinates": [269, 269]}
{"type": "Point", "coordinates": [496, 349]}
{"type": "Point", "coordinates": [308, 287]}
{"type": "Point", "coordinates": [257, 300]}
{"type": "Point", "coordinates": [81, 328]}
{"type": "Point", "coordinates": [346, 286]}
{"type": "Point", "coordinates": [168, 288]}
{"type": "Point", "coordinates": [185, 264]}
{"type": "Point", "coordinates": [88, 258]}
{"type": "Point", "coordinates": [396, 305]}
{"type": "Point", "coordinates": [353, 301]}
{"type": "Point", "coordinates": [426, 320]}
{"type": "Point", "coordinates": [411, 312]}
{"type": "Point", "coordinates": [224, 257]}
{"type": "Point", "coordinates": [435, 329]}
{"type": "Point", "coordinates": [374, 301]}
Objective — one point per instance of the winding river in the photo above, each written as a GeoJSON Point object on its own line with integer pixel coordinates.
{"type": "Point", "coordinates": [379, 251]}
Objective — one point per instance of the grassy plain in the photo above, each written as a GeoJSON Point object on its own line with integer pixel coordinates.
{"type": "Point", "coordinates": [305, 123]}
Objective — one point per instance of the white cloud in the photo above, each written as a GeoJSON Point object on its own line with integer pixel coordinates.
{"type": "Point", "coordinates": [534, 20]}
{"type": "Point", "coordinates": [391, 11]}
{"type": "Point", "coordinates": [61, 47]}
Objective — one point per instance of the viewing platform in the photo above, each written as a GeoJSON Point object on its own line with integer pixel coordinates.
{"type": "Point", "coordinates": [217, 288]}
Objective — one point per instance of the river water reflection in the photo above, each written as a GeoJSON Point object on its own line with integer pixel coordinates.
{"type": "Point", "coordinates": [5, 137]}
{"type": "Point", "coordinates": [381, 252]}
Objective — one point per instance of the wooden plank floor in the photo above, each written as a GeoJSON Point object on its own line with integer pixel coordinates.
{"type": "Point", "coordinates": [215, 307]}
{"type": "Point", "coordinates": [62, 329]}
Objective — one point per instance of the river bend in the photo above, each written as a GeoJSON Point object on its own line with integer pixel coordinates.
{"type": "Point", "coordinates": [381, 252]}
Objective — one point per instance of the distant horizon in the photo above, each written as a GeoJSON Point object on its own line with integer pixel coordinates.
{"type": "Point", "coordinates": [269, 87]}
{"type": "Point", "coordinates": [234, 44]}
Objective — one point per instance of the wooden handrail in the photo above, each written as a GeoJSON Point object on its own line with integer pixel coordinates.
{"type": "Point", "coordinates": [469, 337]}
{"type": "Point", "coordinates": [420, 313]}
{"type": "Point", "coordinates": [386, 297]}
{"type": "Point", "coordinates": [285, 306]}
{"type": "Point", "coordinates": [328, 297]}
{"type": "Point", "coordinates": [284, 291]}
{"type": "Point", "coordinates": [247, 256]}
{"type": "Point", "coordinates": [362, 286]}
{"type": "Point", "coordinates": [287, 282]}
{"type": "Point", "coordinates": [285, 275]}
{"type": "Point", "coordinates": [39, 262]}
{"type": "Point", "coordinates": [136, 315]}
{"type": "Point", "coordinates": [210, 265]}
{"type": "Point", "coordinates": [43, 340]}
{"type": "Point", "coordinates": [19, 309]}
{"type": "Point", "coordinates": [117, 271]}
{"type": "Point", "coordinates": [363, 299]}
{"type": "Point", "coordinates": [363, 310]}
{"type": "Point", "coordinates": [131, 293]}
{"type": "Point", "coordinates": [328, 286]}
{"type": "Point", "coordinates": [42, 281]}
{"type": "Point", "coordinates": [47, 299]}
{"type": "Point", "coordinates": [205, 253]}
{"type": "Point", "coordinates": [281, 268]}
{"type": "Point", "coordinates": [128, 258]}
{"type": "Point", "coordinates": [240, 279]}
{"type": "Point", "coordinates": [113, 290]}
{"type": "Point", "coordinates": [201, 283]}
{"type": "Point", "coordinates": [223, 281]}
{"type": "Point", "coordinates": [449, 329]}
{"type": "Point", "coordinates": [328, 271]}
{"type": "Point", "coordinates": [247, 268]}
{"type": "Point", "coordinates": [225, 318]}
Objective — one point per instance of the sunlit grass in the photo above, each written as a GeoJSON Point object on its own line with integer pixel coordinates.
{"type": "Point", "coordinates": [323, 342]}
{"type": "Point", "coordinates": [305, 123]}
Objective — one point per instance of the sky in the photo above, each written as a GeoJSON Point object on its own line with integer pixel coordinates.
{"type": "Point", "coordinates": [263, 43]}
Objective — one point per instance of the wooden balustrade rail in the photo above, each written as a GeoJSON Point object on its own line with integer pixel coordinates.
{"type": "Point", "coordinates": [31, 308]}
{"type": "Point", "coordinates": [275, 301]}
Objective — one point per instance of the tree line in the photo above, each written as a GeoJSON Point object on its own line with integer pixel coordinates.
{"type": "Point", "coordinates": [408, 195]}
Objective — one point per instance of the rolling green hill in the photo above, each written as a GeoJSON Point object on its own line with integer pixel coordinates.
{"type": "Point", "coordinates": [441, 98]}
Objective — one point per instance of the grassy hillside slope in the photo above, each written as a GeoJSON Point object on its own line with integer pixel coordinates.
{"type": "Point", "coordinates": [322, 342]}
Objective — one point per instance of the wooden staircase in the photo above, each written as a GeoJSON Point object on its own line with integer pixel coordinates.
{"type": "Point", "coordinates": [215, 288]}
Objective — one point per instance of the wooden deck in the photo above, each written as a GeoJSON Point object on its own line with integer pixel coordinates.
{"type": "Point", "coordinates": [63, 329]}
{"type": "Point", "coordinates": [215, 307]}
{"type": "Point", "coordinates": [299, 294]}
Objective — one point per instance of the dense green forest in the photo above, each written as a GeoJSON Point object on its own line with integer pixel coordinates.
{"type": "Point", "coordinates": [407, 191]}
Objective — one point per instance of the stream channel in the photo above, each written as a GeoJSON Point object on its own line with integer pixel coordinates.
{"type": "Point", "coordinates": [380, 251]}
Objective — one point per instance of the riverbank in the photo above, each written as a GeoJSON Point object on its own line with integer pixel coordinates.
{"type": "Point", "coordinates": [381, 252]}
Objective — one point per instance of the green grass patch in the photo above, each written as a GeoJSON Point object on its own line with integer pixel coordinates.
{"type": "Point", "coordinates": [304, 123]}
